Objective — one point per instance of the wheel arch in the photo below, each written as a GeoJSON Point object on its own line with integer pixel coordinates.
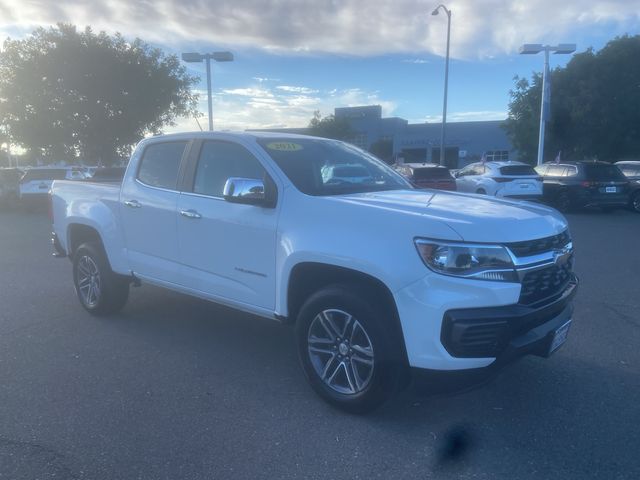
{"type": "Point", "coordinates": [79, 233]}
{"type": "Point", "coordinates": [308, 277]}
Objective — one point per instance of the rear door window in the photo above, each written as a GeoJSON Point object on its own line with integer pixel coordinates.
{"type": "Point", "coordinates": [160, 164]}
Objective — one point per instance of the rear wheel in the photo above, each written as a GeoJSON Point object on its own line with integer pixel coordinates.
{"type": "Point", "coordinates": [99, 289]}
{"type": "Point", "coordinates": [344, 352]}
{"type": "Point", "coordinates": [481, 191]}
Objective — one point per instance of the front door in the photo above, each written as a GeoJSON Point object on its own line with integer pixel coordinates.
{"type": "Point", "coordinates": [227, 249]}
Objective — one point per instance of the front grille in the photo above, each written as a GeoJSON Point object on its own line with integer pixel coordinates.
{"type": "Point", "coordinates": [545, 283]}
{"type": "Point", "coordinates": [541, 245]}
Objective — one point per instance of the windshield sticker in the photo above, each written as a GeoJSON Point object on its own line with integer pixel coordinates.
{"type": "Point", "coordinates": [284, 146]}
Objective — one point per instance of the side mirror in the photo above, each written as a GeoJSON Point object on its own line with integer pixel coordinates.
{"type": "Point", "coordinates": [250, 191]}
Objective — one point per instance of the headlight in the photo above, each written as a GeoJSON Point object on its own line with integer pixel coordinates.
{"type": "Point", "coordinates": [482, 262]}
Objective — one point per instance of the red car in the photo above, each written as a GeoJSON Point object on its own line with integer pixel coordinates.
{"type": "Point", "coordinates": [427, 175]}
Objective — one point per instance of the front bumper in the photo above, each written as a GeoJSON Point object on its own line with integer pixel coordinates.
{"type": "Point", "coordinates": [526, 331]}
{"type": "Point", "coordinates": [454, 324]}
{"type": "Point", "coordinates": [507, 331]}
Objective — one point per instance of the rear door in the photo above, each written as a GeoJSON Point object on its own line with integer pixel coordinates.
{"type": "Point", "coordinates": [148, 202]}
{"type": "Point", "coordinates": [227, 249]}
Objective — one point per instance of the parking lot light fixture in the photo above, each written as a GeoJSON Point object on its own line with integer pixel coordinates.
{"type": "Point", "coordinates": [545, 111]}
{"type": "Point", "coordinates": [193, 57]}
{"type": "Point", "coordinates": [446, 78]}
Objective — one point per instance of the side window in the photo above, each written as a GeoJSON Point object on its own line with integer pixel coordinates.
{"type": "Point", "coordinates": [468, 170]}
{"type": "Point", "coordinates": [160, 164]}
{"type": "Point", "coordinates": [555, 170]}
{"type": "Point", "coordinates": [479, 169]}
{"type": "Point", "coordinates": [570, 171]}
{"type": "Point", "coordinates": [221, 160]}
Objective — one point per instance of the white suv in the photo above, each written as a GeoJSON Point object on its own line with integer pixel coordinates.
{"type": "Point", "coordinates": [500, 179]}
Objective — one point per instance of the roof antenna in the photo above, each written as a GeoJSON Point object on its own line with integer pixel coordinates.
{"type": "Point", "coordinates": [200, 126]}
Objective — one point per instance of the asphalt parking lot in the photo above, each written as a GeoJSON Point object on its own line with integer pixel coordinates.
{"type": "Point", "coordinates": [176, 388]}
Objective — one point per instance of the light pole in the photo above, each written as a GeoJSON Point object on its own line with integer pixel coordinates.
{"type": "Point", "coordinates": [446, 79]}
{"type": "Point", "coordinates": [193, 57]}
{"type": "Point", "coordinates": [545, 110]}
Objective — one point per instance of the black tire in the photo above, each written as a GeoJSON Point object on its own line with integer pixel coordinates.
{"type": "Point", "coordinates": [481, 191]}
{"type": "Point", "coordinates": [563, 201]}
{"type": "Point", "coordinates": [634, 202]}
{"type": "Point", "coordinates": [91, 268]}
{"type": "Point", "coordinates": [371, 384]}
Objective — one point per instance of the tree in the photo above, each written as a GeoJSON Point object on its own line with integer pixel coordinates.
{"type": "Point", "coordinates": [594, 107]}
{"type": "Point", "coordinates": [330, 127]}
{"type": "Point", "coordinates": [66, 94]}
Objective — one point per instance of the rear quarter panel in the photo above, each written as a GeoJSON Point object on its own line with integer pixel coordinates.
{"type": "Point", "coordinates": [94, 205]}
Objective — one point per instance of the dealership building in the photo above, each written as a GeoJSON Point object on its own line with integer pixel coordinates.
{"type": "Point", "coordinates": [465, 142]}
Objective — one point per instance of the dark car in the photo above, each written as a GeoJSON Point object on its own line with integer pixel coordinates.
{"type": "Point", "coordinates": [9, 185]}
{"type": "Point", "coordinates": [581, 184]}
{"type": "Point", "coordinates": [631, 170]}
{"type": "Point", "coordinates": [427, 175]}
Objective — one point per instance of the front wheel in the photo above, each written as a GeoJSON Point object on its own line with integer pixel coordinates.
{"type": "Point", "coordinates": [344, 352]}
{"type": "Point", "coordinates": [99, 289]}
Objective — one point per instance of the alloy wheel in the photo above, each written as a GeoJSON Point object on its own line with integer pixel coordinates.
{"type": "Point", "coordinates": [341, 351]}
{"type": "Point", "coordinates": [89, 282]}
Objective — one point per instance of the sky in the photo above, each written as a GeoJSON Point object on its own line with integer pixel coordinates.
{"type": "Point", "coordinates": [293, 57]}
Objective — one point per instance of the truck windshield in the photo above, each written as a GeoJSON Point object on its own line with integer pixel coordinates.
{"type": "Point", "coordinates": [329, 167]}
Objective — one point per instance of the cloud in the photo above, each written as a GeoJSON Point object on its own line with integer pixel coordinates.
{"type": "Point", "coordinates": [253, 107]}
{"type": "Point", "coordinates": [352, 27]}
{"type": "Point", "coordinates": [289, 88]}
{"type": "Point", "coordinates": [415, 60]}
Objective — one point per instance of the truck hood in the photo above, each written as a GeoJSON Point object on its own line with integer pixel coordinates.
{"type": "Point", "coordinates": [475, 218]}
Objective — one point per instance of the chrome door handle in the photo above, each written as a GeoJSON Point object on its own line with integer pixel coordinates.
{"type": "Point", "coordinates": [132, 203]}
{"type": "Point", "coordinates": [190, 214]}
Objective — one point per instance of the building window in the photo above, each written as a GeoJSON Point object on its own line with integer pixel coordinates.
{"type": "Point", "coordinates": [360, 140]}
{"type": "Point", "coordinates": [497, 155]}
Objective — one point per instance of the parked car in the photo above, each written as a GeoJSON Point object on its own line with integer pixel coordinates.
{"type": "Point", "coordinates": [35, 184]}
{"type": "Point", "coordinates": [346, 173]}
{"type": "Point", "coordinates": [382, 281]}
{"type": "Point", "coordinates": [427, 175]}
{"type": "Point", "coordinates": [581, 184]}
{"type": "Point", "coordinates": [9, 186]}
{"type": "Point", "coordinates": [631, 170]}
{"type": "Point", "coordinates": [515, 180]}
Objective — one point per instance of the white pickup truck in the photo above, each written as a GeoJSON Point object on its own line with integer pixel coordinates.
{"type": "Point", "coordinates": [383, 282]}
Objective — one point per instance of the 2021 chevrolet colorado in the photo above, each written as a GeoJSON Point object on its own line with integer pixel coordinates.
{"type": "Point", "coordinates": [380, 279]}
